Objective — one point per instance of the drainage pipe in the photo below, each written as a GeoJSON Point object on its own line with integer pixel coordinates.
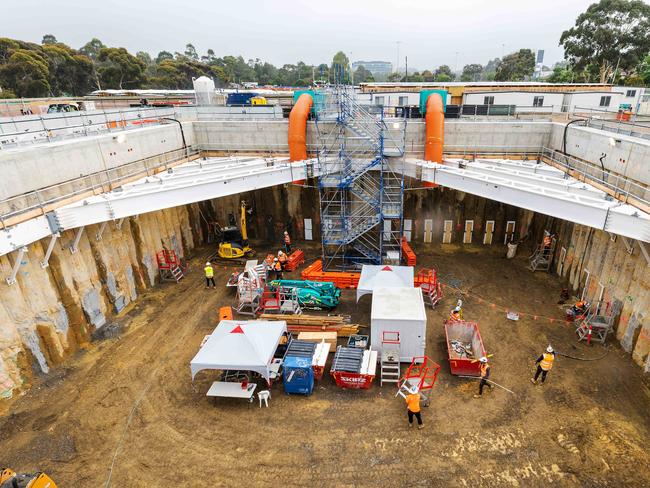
{"type": "Point", "coordinates": [298, 129]}
{"type": "Point", "coordinates": [434, 131]}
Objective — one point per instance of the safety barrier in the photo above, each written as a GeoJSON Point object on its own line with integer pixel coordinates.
{"type": "Point", "coordinates": [314, 272]}
{"type": "Point", "coordinates": [407, 253]}
{"type": "Point", "coordinates": [296, 258]}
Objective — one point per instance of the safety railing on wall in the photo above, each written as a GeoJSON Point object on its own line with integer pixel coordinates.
{"type": "Point", "coordinates": [38, 129]}
{"type": "Point", "coordinates": [24, 207]}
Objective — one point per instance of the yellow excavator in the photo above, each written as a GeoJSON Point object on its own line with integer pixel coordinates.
{"type": "Point", "coordinates": [10, 479]}
{"type": "Point", "coordinates": [234, 243]}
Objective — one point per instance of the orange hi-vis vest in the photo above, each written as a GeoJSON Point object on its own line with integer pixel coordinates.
{"type": "Point", "coordinates": [413, 402]}
{"type": "Point", "coordinates": [547, 361]}
{"type": "Point", "coordinates": [278, 266]}
{"type": "Point", "coordinates": [484, 368]}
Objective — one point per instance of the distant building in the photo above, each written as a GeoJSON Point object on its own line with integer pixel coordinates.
{"type": "Point", "coordinates": [381, 68]}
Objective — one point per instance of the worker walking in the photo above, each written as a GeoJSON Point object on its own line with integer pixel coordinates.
{"type": "Point", "coordinates": [544, 365]}
{"type": "Point", "coordinates": [413, 408]}
{"type": "Point", "coordinates": [277, 267]}
{"type": "Point", "coordinates": [287, 242]}
{"type": "Point", "coordinates": [456, 314]}
{"type": "Point", "coordinates": [282, 258]}
{"type": "Point", "coordinates": [209, 275]}
{"type": "Point", "coordinates": [485, 376]}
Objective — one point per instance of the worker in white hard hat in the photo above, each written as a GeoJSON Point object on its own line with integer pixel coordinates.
{"type": "Point", "coordinates": [287, 242]}
{"type": "Point", "coordinates": [282, 258]}
{"type": "Point", "coordinates": [485, 376]}
{"type": "Point", "coordinates": [544, 365]}
{"type": "Point", "coordinates": [456, 314]}
{"type": "Point", "coordinates": [413, 407]}
{"type": "Point", "coordinates": [277, 267]}
{"type": "Point", "coordinates": [209, 275]}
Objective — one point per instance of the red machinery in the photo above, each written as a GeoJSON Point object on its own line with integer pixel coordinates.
{"type": "Point", "coordinates": [169, 266]}
{"type": "Point", "coordinates": [354, 368]}
{"type": "Point", "coordinates": [464, 347]}
{"type": "Point", "coordinates": [427, 279]}
{"type": "Point", "coordinates": [420, 376]}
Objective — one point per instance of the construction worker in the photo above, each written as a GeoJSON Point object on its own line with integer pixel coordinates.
{"type": "Point", "coordinates": [287, 242]}
{"type": "Point", "coordinates": [485, 376]}
{"type": "Point", "coordinates": [277, 267]}
{"type": "Point", "coordinates": [282, 258]}
{"type": "Point", "coordinates": [544, 365]}
{"type": "Point", "coordinates": [578, 310]}
{"type": "Point", "coordinates": [413, 408]}
{"type": "Point", "coordinates": [456, 314]}
{"type": "Point", "coordinates": [209, 275]}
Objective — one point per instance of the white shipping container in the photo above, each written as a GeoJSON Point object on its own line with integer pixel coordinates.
{"type": "Point", "coordinates": [399, 310]}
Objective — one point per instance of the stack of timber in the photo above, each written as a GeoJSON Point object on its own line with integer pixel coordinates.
{"type": "Point", "coordinates": [313, 323]}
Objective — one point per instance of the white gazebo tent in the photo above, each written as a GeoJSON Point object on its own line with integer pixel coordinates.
{"type": "Point", "coordinates": [240, 345]}
{"type": "Point", "coordinates": [384, 276]}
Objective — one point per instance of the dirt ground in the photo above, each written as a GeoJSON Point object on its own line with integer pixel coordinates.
{"type": "Point", "coordinates": [588, 426]}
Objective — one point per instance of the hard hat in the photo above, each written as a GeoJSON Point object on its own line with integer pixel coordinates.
{"type": "Point", "coordinates": [275, 260]}
{"type": "Point", "coordinates": [549, 348]}
{"type": "Point", "coordinates": [457, 309]}
{"type": "Point", "coordinates": [285, 232]}
{"type": "Point", "coordinates": [483, 359]}
{"type": "Point", "coordinates": [280, 253]}
{"type": "Point", "coordinates": [208, 263]}
{"type": "Point", "coordinates": [414, 390]}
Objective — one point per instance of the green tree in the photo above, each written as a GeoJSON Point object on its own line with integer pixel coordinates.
{"type": "Point", "coordinates": [428, 76]}
{"type": "Point", "coordinates": [471, 72]}
{"type": "Point", "coordinates": [49, 39]}
{"type": "Point", "coordinates": [26, 74]}
{"type": "Point", "coordinates": [7, 46]}
{"type": "Point", "coordinates": [443, 73]}
{"type": "Point", "coordinates": [394, 77]}
{"type": "Point", "coordinates": [92, 48]}
{"type": "Point", "coordinates": [118, 68]}
{"type": "Point", "coordinates": [190, 52]}
{"type": "Point", "coordinates": [210, 57]}
{"type": "Point", "coordinates": [516, 66]}
{"type": "Point", "coordinates": [561, 75]}
{"type": "Point", "coordinates": [163, 56]}
{"type": "Point", "coordinates": [610, 35]}
{"type": "Point", "coordinates": [643, 70]}
{"type": "Point", "coordinates": [362, 75]}
{"type": "Point", "coordinates": [341, 68]}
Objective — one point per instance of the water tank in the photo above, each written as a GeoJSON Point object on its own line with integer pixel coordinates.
{"type": "Point", "coordinates": [204, 90]}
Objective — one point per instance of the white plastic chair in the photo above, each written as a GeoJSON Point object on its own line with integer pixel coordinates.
{"type": "Point", "coordinates": [264, 396]}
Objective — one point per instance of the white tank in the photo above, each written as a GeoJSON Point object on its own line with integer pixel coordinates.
{"type": "Point", "coordinates": [204, 90]}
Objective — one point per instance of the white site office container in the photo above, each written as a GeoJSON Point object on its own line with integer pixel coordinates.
{"type": "Point", "coordinates": [399, 310]}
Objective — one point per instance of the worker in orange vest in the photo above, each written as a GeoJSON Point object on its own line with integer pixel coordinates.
{"type": "Point", "coordinates": [413, 408]}
{"type": "Point", "coordinates": [578, 310]}
{"type": "Point", "coordinates": [485, 376]}
{"type": "Point", "coordinates": [544, 365]}
{"type": "Point", "coordinates": [287, 242]}
{"type": "Point", "coordinates": [548, 240]}
{"type": "Point", "coordinates": [277, 267]}
{"type": "Point", "coordinates": [282, 258]}
{"type": "Point", "coordinates": [456, 314]}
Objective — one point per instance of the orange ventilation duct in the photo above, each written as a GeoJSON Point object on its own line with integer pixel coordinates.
{"type": "Point", "coordinates": [298, 128]}
{"type": "Point", "coordinates": [435, 129]}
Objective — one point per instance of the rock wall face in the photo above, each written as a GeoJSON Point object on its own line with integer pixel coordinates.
{"type": "Point", "coordinates": [50, 313]}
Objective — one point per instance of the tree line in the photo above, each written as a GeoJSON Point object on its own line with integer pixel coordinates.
{"type": "Point", "coordinates": [609, 43]}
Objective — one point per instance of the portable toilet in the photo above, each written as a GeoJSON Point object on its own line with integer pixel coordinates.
{"type": "Point", "coordinates": [399, 310]}
{"type": "Point", "coordinates": [298, 375]}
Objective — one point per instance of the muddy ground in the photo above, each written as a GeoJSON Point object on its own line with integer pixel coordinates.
{"type": "Point", "coordinates": [588, 426]}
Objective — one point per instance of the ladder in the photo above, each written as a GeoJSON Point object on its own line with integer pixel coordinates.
{"type": "Point", "coordinates": [542, 258]}
{"type": "Point", "coordinates": [390, 354]}
{"type": "Point", "coordinates": [177, 273]}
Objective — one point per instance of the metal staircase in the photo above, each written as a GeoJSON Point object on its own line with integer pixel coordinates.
{"type": "Point", "coordinates": [359, 190]}
{"type": "Point", "coordinates": [390, 354]}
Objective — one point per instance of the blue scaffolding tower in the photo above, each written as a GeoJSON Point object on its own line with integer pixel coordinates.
{"type": "Point", "coordinates": [361, 187]}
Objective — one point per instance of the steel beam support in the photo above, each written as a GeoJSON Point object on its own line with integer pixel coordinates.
{"type": "Point", "coordinates": [118, 224]}
{"type": "Point", "coordinates": [74, 247]}
{"type": "Point", "coordinates": [100, 232]}
{"type": "Point", "coordinates": [46, 260]}
{"type": "Point", "coordinates": [644, 251]}
{"type": "Point", "coordinates": [14, 270]}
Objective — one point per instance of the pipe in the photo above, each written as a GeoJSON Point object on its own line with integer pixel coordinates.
{"type": "Point", "coordinates": [434, 131]}
{"type": "Point", "coordinates": [298, 129]}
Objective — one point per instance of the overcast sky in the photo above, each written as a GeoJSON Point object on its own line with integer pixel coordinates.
{"type": "Point", "coordinates": [430, 32]}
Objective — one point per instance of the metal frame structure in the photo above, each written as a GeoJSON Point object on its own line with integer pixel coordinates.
{"type": "Point", "coordinates": [360, 189]}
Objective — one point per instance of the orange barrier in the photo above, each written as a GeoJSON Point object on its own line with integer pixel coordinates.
{"type": "Point", "coordinates": [435, 131]}
{"type": "Point", "coordinates": [407, 253]}
{"type": "Point", "coordinates": [225, 313]}
{"type": "Point", "coordinates": [296, 258]}
{"type": "Point", "coordinates": [314, 272]}
{"type": "Point", "coordinates": [298, 129]}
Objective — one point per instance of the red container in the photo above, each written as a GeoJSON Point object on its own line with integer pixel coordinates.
{"type": "Point", "coordinates": [352, 380]}
{"type": "Point", "coordinates": [467, 333]}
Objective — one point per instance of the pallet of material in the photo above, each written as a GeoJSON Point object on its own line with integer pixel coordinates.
{"type": "Point", "coordinates": [341, 331]}
{"type": "Point", "coordinates": [328, 337]}
{"type": "Point", "coordinates": [302, 319]}
{"type": "Point", "coordinates": [342, 279]}
{"type": "Point", "coordinates": [296, 258]}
